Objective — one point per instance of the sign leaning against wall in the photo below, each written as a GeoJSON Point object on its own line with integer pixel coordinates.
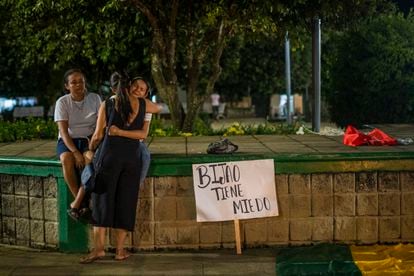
{"type": "Point", "coordinates": [235, 190]}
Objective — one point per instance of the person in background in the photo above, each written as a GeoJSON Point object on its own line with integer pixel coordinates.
{"type": "Point", "coordinates": [115, 200]}
{"type": "Point", "coordinates": [215, 104]}
{"type": "Point", "coordinates": [75, 114]}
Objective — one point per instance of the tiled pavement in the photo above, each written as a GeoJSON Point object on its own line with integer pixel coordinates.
{"type": "Point", "coordinates": [248, 144]}
{"type": "Point", "coordinates": [318, 259]}
{"type": "Point", "coordinates": [18, 261]}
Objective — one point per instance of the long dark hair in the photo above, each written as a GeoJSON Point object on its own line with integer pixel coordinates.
{"type": "Point", "coordinates": [120, 83]}
{"type": "Point", "coordinates": [66, 77]}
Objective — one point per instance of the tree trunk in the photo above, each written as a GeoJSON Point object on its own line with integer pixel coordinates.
{"type": "Point", "coordinates": [163, 19]}
{"type": "Point", "coordinates": [192, 112]}
{"type": "Point", "coordinates": [165, 79]}
{"type": "Point", "coordinates": [214, 44]}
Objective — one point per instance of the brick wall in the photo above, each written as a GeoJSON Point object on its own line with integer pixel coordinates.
{"type": "Point", "coordinates": [28, 213]}
{"type": "Point", "coordinates": [361, 208]}
{"type": "Point", "coordinates": [354, 208]}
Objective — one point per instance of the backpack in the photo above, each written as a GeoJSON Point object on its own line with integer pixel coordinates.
{"type": "Point", "coordinates": [222, 146]}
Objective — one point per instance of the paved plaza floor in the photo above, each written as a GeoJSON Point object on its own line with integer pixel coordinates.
{"type": "Point", "coordinates": [21, 261]}
{"type": "Point", "coordinates": [317, 259]}
{"type": "Point", "coordinates": [248, 144]}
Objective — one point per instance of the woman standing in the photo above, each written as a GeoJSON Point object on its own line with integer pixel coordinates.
{"type": "Point", "coordinates": [145, 153]}
{"type": "Point", "coordinates": [75, 114]}
{"type": "Point", "coordinates": [114, 201]}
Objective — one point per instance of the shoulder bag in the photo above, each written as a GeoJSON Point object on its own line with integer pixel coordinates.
{"type": "Point", "coordinates": [90, 171]}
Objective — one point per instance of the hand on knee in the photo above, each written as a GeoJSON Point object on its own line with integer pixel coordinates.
{"type": "Point", "coordinates": [67, 160]}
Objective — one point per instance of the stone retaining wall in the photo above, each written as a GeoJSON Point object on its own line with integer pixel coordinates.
{"type": "Point", "coordinates": [28, 213]}
{"type": "Point", "coordinates": [354, 208]}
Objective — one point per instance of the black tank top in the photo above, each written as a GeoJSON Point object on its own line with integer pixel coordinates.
{"type": "Point", "coordinates": [138, 122]}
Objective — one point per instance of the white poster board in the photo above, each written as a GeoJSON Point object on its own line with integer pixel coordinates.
{"type": "Point", "coordinates": [235, 190]}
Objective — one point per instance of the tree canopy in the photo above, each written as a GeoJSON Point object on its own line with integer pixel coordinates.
{"type": "Point", "coordinates": [191, 36]}
{"type": "Point", "coordinates": [372, 72]}
{"type": "Point", "coordinates": [256, 68]}
{"type": "Point", "coordinates": [182, 42]}
{"type": "Point", "coordinates": [57, 35]}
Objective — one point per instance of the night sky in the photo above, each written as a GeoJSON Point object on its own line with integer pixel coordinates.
{"type": "Point", "coordinates": [404, 5]}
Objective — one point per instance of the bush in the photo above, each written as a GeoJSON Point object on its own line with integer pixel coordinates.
{"type": "Point", "coordinates": [28, 129]}
{"type": "Point", "coordinates": [31, 128]}
{"type": "Point", "coordinates": [372, 75]}
{"type": "Point", "coordinates": [202, 129]}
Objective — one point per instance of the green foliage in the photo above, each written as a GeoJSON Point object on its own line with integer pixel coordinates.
{"type": "Point", "coordinates": [6, 132]}
{"type": "Point", "coordinates": [261, 129]}
{"type": "Point", "coordinates": [251, 67]}
{"type": "Point", "coordinates": [96, 33]}
{"type": "Point", "coordinates": [372, 74]}
{"type": "Point", "coordinates": [96, 36]}
{"type": "Point", "coordinates": [160, 128]}
{"type": "Point", "coordinates": [235, 129]}
{"type": "Point", "coordinates": [202, 127]}
{"type": "Point", "coordinates": [34, 128]}
{"type": "Point", "coordinates": [27, 130]}
{"type": "Point", "coordinates": [257, 66]}
{"type": "Point", "coordinates": [42, 38]}
{"type": "Point", "coordinates": [278, 129]}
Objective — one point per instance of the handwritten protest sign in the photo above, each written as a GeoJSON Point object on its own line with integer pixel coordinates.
{"type": "Point", "coordinates": [235, 190]}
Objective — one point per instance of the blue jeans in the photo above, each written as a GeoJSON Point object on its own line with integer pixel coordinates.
{"type": "Point", "coordinates": [145, 162]}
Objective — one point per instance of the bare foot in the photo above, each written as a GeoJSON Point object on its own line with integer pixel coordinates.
{"type": "Point", "coordinates": [122, 255]}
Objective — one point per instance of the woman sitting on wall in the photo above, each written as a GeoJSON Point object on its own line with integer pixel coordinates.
{"type": "Point", "coordinates": [75, 114]}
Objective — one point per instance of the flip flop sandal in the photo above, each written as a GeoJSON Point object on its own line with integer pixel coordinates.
{"type": "Point", "coordinates": [122, 257]}
{"type": "Point", "coordinates": [73, 213]}
{"type": "Point", "coordinates": [85, 216]}
{"type": "Point", "coordinates": [85, 212]}
{"type": "Point", "coordinates": [90, 259]}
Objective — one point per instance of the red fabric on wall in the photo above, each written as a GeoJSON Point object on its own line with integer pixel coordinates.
{"type": "Point", "coordinates": [354, 137]}
{"type": "Point", "coordinates": [376, 137]}
{"type": "Point", "coordinates": [379, 138]}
